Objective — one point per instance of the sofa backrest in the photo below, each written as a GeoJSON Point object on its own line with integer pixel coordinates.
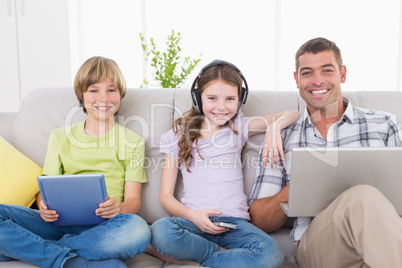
{"type": "Point", "coordinates": [150, 112]}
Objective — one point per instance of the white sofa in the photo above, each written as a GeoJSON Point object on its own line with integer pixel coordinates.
{"type": "Point", "coordinates": [150, 112]}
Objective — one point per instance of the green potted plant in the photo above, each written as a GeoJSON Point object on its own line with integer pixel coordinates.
{"type": "Point", "coordinates": [168, 70]}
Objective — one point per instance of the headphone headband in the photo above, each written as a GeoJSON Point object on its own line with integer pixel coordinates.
{"type": "Point", "coordinates": [196, 95]}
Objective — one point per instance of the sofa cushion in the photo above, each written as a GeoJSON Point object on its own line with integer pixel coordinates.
{"type": "Point", "coordinates": [18, 173]}
{"type": "Point", "coordinates": [149, 113]}
{"type": "Point", "coordinates": [42, 111]}
{"type": "Point", "coordinates": [7, 121]}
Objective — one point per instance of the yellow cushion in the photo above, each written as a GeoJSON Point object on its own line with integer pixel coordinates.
{"type": "Point", "coordinates": [18, 176]}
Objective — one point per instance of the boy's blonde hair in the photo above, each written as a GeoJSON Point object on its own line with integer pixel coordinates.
{"type": "Point", "coordinates": [98, 69]}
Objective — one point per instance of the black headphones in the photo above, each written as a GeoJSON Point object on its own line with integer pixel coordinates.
{"type": "Point", "coordinates": [196, 95]}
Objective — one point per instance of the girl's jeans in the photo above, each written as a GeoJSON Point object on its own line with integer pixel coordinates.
{"type": "Point", "coordinates": [247, 246]}
{"type": "Point", "coordinates": [25, 236]}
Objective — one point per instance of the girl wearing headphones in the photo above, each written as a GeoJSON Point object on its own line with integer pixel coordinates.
{"type": "Point", "coordinates": [211, 225]}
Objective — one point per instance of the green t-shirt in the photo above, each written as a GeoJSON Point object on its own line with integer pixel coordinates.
{"type": "Point", "coordinates": [119, 155]}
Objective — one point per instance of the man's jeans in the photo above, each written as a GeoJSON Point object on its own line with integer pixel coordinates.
{"type": "Point", "coordinates": [247, 246]}
{"type": "Point", "coordinates": [25, 236]}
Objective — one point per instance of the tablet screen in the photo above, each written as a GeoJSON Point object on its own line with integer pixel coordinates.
{"type": "Point", "coordinates": [74, 197]}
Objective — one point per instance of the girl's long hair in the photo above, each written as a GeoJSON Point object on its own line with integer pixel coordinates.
{"type": "Point", "coordinates": [189, 125]}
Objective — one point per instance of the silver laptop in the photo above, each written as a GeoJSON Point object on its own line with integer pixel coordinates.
{"type": "Point", "coordinates": [318, 176]}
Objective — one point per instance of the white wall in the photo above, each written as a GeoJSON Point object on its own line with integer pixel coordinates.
{"type": "Point", "coordinates": [111, 28]}
{"type": "Point", "coordinates": [259, 36]}
{"type": "Point", "coordinates": [367, 33]}
{"type": "Point", "coordinates": [34, 48]}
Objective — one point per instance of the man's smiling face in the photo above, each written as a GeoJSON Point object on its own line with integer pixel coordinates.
{"type": "Point", "coordinates": [319, 79]}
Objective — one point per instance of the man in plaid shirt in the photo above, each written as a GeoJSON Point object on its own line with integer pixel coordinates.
{"type": "Point", "coordinates": [360, 228]}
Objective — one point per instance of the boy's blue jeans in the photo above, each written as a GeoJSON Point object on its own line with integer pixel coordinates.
{"type": "Point", "coordinates": [25, 236]}
{"type": "Point", "coordinates": [247, 246]}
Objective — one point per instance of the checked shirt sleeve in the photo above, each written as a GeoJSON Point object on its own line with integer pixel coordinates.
{"type": "Point", "coordinates": [395, 132]}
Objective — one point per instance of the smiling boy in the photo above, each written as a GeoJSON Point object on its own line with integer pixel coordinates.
{"type": "Point", "coordinates": [96, 145]}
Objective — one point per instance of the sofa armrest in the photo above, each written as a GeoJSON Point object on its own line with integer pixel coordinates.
{"type": "Point", "coordinates": [6, 124]}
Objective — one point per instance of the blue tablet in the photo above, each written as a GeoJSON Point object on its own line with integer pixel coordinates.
{"type": "Point", "coordinates": [74, 197]}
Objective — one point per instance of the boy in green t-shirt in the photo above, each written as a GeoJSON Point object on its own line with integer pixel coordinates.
{"type": "Point", "coordinates": [96, 145]}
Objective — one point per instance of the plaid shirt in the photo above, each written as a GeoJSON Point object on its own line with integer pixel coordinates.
{"type": "Point", "coordinates": [358, 127]}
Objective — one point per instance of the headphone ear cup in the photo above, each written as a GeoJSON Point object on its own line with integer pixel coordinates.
{"type": "Point", "coordinates": [243, 98]}
{"type": "Point", "coordinates": [196, 97]}
{"type": "Point", "coordinates": [244, 94]}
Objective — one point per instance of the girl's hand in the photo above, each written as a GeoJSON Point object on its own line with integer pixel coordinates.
{"type": "Point", "coordinates": [108, 209]}
{"type": "Point", "coordinates": [201, 219]}
{"type": "Point", "coordinates": [46, 214]}
{"type": "Point", "coordinates": [272, 147]}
